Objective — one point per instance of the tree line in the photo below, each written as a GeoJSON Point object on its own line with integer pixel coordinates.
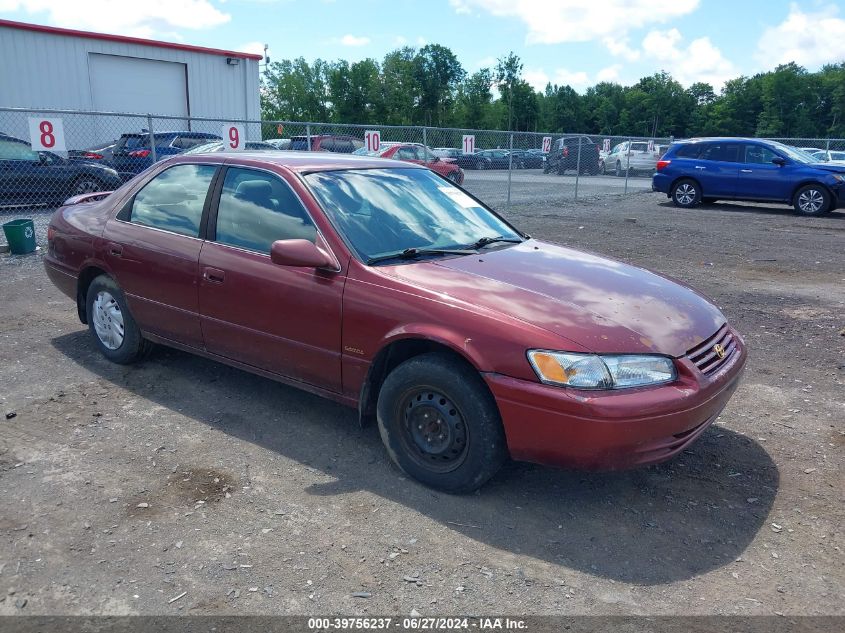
{"type": "Point", "coordinates": [429, 86]}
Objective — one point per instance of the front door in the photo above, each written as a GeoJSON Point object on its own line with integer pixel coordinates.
{"type": "Point", "coordinates": [761, 179]}
{"type": "Point", "coordinates": [280, 319]}
{"type": "Point", "coordinates": [153, 248]}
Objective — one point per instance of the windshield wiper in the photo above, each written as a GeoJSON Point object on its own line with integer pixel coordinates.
{"type": "Point", "coordinates": [484, 241]}
{"type": "Point", "coordinates": [413, 253]}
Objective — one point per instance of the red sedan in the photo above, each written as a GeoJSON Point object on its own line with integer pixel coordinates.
{"type": "Point", "coordinates": [383, 286]}
{"type": "Point", "coordinates": [420, 155]}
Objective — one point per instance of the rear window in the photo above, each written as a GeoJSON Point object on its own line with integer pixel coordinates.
{"type": "Point", "coordinates": [132, 141]}
{"type": "Point", "coordinates": [726, 152]}
{"type": "Point", "coordinates": [639, 147]}
{"type": "Point", "coordinates": [688, 150]}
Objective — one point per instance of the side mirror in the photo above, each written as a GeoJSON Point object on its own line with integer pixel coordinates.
{"type": "Point", "coordinates": [300, 253]}
{"type": "Point", "coordinates": [779, 161]}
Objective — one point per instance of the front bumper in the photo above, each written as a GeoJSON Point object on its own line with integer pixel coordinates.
{"type": "Point", "coordinates": [612, 430]}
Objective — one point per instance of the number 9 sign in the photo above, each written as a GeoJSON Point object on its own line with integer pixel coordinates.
{"type": "Point", "coordinates": [233, 137]}
{"type": "Point", "coordinates": [46, 134]}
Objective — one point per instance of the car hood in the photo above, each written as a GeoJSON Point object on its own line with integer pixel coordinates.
{"type": "Point", "coordinates": [832, 166]}
{"type": "Point", "coordinates": [601, 304]}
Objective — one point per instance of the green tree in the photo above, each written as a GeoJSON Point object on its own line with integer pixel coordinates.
{"type": "Point", "coordinates": [508, 72]}
{"type": "Point", "coordinates": [437, 72]}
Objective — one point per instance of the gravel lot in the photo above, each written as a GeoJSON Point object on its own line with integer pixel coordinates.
{"type": "Point", "coordinates": [125, 488]}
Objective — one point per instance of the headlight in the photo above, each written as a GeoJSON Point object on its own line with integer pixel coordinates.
{"type": "Point", "coordinates": [593, 371]}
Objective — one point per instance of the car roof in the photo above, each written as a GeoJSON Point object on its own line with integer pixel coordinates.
{"type": "Point", "coordinates": [299, 162]}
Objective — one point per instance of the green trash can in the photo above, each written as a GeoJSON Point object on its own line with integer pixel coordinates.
{"type": "Point", "coordinates": [21, 236]}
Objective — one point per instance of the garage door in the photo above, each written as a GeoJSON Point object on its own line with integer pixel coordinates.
{"type": "Point", "coordinates": [132, 84]}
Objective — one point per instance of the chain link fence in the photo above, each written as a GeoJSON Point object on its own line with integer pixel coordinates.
{"type": "Point", "coordinates": [47, 156]}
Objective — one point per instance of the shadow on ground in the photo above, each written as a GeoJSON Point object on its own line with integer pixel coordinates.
{"type": "Point", "coordinates": [656, 525]}
{"type": "Point", "coordinates": [751, 208]}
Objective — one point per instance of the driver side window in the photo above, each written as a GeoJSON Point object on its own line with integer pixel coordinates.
{"type": "Point", "coordinates": [759, 155]}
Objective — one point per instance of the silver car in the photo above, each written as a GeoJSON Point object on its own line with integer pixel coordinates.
{"type": "Point", "coordinates": [632, 157]}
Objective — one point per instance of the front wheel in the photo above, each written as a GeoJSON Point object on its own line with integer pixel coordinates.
{"type": "Point", "coordinates": [686, 193]}
{"type": "Point", "coordinates": [811, 200]}
{"type": "Point", "coordinates": [115, 332]}
{"type": "Point", "coordinates": [618, 169]}
{"type": "Point", "coordinates": [86, 184]}
{"type": "Point", "coordinates": [481, 164]}
{"type": "Point", "coordinates": [440, 424]}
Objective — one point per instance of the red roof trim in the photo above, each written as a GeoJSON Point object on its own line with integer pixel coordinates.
{"type": "Point", "coordinates": [126, 40]}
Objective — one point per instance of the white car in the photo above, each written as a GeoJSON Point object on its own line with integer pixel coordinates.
{"type": "Point", "coordinates": [633, 157]}
{"type": "Point", "coordinates": [829, 156]}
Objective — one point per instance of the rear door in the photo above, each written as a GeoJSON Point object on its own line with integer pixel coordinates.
{"type": "Point", "coordinates": [281, 319]}
{"type": "Point", "coordinates": [153, 248]}
{"type": "Point", "coordinates": [717, 168]}
{"type": "Point", "coordinates": [759, 178]}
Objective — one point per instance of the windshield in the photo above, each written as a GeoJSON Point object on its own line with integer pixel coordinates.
{"type": "Point", "coordinates": [385, 211]}
{"type": "Point", "coordinates": [798, 155]}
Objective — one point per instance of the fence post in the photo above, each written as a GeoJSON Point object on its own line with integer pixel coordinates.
{"type": "Point", "coordinates": [827, 146]}
{"type": "Point", "coordinates": [510, 167]}
{"type": "Point", "coordinates": [627, 164]}
{"type": "Point", "coordinates": [308, 136]}
{"type": "Point", "coordinates": [152, 137]}
{"type": "Point", "coordinates": [425, 136]}
{"type": "Point", "coordinates": [578, 168]}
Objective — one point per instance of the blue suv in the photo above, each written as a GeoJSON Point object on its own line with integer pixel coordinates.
{"type": "Point", "coordinates": [710, 169]}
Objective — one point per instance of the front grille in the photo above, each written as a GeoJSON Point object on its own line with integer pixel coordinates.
{"type": "Point", "coordinates": [705, 357]}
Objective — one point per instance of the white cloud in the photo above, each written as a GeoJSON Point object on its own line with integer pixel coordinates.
{"type": "Point", "coordinates": [558, 21]}
{"type": "Point", "coordinates": [149, 18]}
{"type": "Point", "coordinates": [399, 41]}
{"type": "Point", "coordinates": [810, 39]}
{"type": "Point", "coordinates": [621, 48]}
{"type": "Point", "coordinates": [353, 40]}
{"type": "Point", "coordinates": [421, 41]}
{"type": "Point", "coordinates": [700, 61]}
{"type": "Point", "coordinates": [611, 73]}
{"type": "Point", "coordinates": [256, 48]}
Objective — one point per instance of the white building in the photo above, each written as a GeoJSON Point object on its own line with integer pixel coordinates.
{"type": "Point", "coordinates": [44, 68]}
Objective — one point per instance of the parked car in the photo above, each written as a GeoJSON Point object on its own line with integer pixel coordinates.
{"type": "Point", "coordinates": [279, 143]}
{"type": "Point", "coordinates": [565, 155]}
{"type": "Point", "coordinates": [132, 154]}
{"type": "Point", "coordinates": [533, 158]}
{"type": "Point", "coordinates": [338, 143]}
{"type": "Point", "coordinates": [218, 146]}
{"type": "Point", "coordinates": [828, 156]}
{"type": "Point", "coordinates": [464, 339]}
{"type": "Point", "coordinates": [43, 178]}
{"type": "Point", "coordinates": [421, 155]}
{"type": "Point", "coordinates": [710, 169]}
{"type": "Point", "coordinates": [474, 160]}
{"type": "Point", "coordinates": [499, 159]}
{"type": "Point", "coordinates": [101, 152]}
{"type": "Point", "coordinates": [632, 157]}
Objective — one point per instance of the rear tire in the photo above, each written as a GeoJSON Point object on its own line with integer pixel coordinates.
{"type": "Point", "coordinates": [85, 184]}
{"type": "Point", "coordinates": [811, 199]}
{"type": "Point", "coordinates": [115, 332]}
{"type": "Point", "coordinates": [618, 169]}
{"type": "Point", "coordinates": [440, 424]}
{"type": "Point", "coordinates": [686, 193]}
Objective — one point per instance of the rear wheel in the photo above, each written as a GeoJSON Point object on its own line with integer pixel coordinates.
{"type": "Point", "coordinates": [618, 169]}
{"type": "Point", "coordinates": [111, 324]}
{"type": "Point", "coordinates": [482, 164]}
{"type": "Point", "coordinates": [686, 193]}
{"type": "Point", "coordinates": [440, 424]}
{"type": "Point", "coordinates": [86, 184]}
{"type": "Point", "coordinates": [811, 200]}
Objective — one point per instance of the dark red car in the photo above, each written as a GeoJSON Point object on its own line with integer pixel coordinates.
{"type": "Point", "coordinates": [421, 155]}
{"type": "Point", "coordinates": [383, 286]}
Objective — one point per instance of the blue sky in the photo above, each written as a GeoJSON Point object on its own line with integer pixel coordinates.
{"type": "Point", "coordinates": [576, 42]}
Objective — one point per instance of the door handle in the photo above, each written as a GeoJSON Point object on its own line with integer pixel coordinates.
{"type": "Point", "coordinates": [700, 167]}
{"type": "Point", "coordinates": [746, 171]}
{"type": "Point", "coordinates": [115, 250]}
{"type": "Point", "coordinates": [213, 275]}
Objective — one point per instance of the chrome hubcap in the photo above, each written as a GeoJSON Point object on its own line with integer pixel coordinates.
{"type": "Point", "coordinates": [108, 320]}
{"type": "Point", "coordinates": [685, 193]}
{"type": "Point", "coordinates": [86, 186]}
{"type": "Point", "coordinates": [811, 200]}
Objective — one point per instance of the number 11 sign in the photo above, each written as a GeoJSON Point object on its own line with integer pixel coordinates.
{"type": "Point", "coordinates": [469, 143]}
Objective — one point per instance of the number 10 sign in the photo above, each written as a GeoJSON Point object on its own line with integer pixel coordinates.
{"type": "Point", "coordinates": [46, 134]}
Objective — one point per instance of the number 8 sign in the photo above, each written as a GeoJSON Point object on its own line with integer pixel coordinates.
{"type": "Point", "coordinates": [46, 134]}
{"type": "Point", "coordinates": [233, 137]}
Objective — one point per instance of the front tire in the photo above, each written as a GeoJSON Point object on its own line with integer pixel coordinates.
{"type": "Point", "coordinates": [112, 326]}
{"type": "Point", "coordinates": [618, 169]}
{"type": "Point", "coordinates": [686, 193]}
{"type": "Point", "coordinates": [811, 200]}
{"type": "Point", "coordinates": [440, 424]}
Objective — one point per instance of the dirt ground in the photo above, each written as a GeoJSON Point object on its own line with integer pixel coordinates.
{"type": "Point", "coordinates": [183, 486]}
